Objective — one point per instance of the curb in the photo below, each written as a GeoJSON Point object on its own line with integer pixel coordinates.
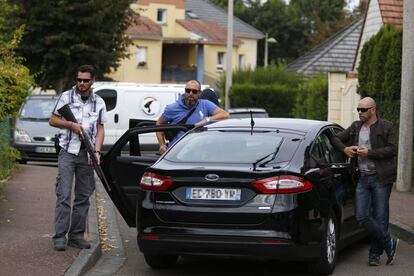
{"type": "Point", "coordinates": [87, 258]}
{"type": "Point", "coordinates": [402, 231]}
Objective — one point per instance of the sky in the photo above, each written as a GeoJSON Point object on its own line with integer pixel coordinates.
{"type": "Point", "coordinates": [351, 3]}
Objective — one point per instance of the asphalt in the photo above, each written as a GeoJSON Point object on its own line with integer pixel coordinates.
{"type": "Point", "coordinates": [26, 228]}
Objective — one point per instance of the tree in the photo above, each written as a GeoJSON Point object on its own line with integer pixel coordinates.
{"type": "Point", "coordinates": [312, 99]}
{"type": "Point", "coordinates": [61, 35]}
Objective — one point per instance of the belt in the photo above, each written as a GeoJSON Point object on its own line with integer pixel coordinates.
{"type": "Point", "coordinates": [368, 173]}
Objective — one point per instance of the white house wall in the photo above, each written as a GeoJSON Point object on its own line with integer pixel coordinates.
{"type": "Point", "coordinates": [373, 24]}
{"type": "Point", "coordinates": [342, 98]}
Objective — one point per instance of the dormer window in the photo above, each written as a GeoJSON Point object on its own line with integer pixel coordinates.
{"type": "Point", "coordinates": [162, 16]}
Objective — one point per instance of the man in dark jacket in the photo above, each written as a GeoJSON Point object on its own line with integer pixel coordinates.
{"type": "Point", "coordinates": [372, 145]}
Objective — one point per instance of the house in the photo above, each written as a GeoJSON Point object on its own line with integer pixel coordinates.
{"type": "Point", "coordinates": [339, 57]}
{"type": "Point", "coordinates": [178, 40]}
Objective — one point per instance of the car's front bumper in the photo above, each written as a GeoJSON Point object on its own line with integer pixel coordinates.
{"type": "Point", "coordinates": [31, 152]}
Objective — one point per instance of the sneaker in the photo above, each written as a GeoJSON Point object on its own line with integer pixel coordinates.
{"type": "Point", "coordinates": [59, 244]}
{"type": "Point", "coordinates": [79, 243]}
{"type": "Point", "coordinates": [374, 261]}
{"type": "Point", "coordinates": [391, 250]}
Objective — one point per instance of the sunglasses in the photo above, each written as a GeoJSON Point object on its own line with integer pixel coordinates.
{"type": "Point", "coordinates": [189, 90]}
{"type": "Point", "coordinates": [83, 80]}
{"type": "Point", "coordinates": [363, 109]}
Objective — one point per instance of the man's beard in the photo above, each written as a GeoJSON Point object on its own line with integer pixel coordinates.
{"type": "Point", "coordinates": [363, 119]}
{"type": "Point", "coordinates": [190, 102]}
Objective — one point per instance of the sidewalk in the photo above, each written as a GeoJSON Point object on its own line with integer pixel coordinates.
{"type": "Point", "coordinates": [402, 215]}
{"type": "Point", "coordinates": [26, 226]}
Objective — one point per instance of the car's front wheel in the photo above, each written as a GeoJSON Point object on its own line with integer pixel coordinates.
{"type": "Point", "coordinates": [160, 261]}
{"type": "Point", "coordinates": [329, 249]}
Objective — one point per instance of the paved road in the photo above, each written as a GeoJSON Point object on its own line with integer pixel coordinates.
{"type": "Point", "coordinates": [352, 261]}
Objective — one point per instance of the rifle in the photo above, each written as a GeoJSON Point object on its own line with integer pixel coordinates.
{"type": "Point", "coordinates": [68, 115]}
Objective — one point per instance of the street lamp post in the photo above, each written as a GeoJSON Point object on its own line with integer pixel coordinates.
{"type": "Point", "coordinates": [267, 41]}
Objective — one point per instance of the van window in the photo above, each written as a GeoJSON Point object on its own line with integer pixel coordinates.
{"type": "Point", "coordinates": [109, 96]}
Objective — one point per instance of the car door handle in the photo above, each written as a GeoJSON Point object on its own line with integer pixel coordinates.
{"type": "Point", "coordinates": [116, 118]}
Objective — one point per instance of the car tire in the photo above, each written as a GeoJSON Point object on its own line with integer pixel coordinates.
{"type": "Point", "coordinates": [22, 161]}
{"type": "Point", "coordinates": [160, 261]}
{"type": "Point", "coordinates": [329, 249]}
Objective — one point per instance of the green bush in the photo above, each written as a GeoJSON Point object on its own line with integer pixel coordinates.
{"type": "Point", "coordinates": [277, 99]}
{"type": "Point", "coordinates": [15, 79]}
{"type": "Point", "coordinates": [312, 99]}
{"type": "Point", "coordinates": [379, 71]}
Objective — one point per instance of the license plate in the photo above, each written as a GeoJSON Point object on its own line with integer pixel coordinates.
{"type": "Point", "coordinates": [46, 149]}
{"type": "Point", "coordinates": [213, 194]}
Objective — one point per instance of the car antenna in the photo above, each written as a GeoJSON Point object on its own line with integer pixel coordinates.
{"type": "Point", "coordinates": [251, 122]}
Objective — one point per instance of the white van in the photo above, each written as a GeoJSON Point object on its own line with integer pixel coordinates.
{"type": "Point", "coordinates": [137, 102]}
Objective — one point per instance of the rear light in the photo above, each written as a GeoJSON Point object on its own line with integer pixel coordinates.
{"type": "Point", "coordinates": [284, 184]}
{"type": "Point", "coordinates": [155, 182]}
{"type": "Point", "coordinates": [151, 237]}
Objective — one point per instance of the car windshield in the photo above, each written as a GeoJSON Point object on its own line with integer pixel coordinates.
{"type": "Point", "coordinates": [215, 146]}
{"type": "Point", "coordinates": [37, 109]}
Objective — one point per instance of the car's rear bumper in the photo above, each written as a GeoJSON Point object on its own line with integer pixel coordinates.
{"type": "Point", "coordinates": [252, 247]}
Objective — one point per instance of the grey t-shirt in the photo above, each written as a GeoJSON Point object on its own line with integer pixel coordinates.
{"type": "Point", "coordinates": [365, 165]}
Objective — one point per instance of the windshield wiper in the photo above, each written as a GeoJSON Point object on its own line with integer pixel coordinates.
{"type": "Point", "coordinates": [272, 154]}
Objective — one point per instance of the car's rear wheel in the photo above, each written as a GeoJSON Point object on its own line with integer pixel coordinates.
{"type": "Point", "coordinates": [160, 261]}
{"type": "Point", "coordinates": [329, 249]}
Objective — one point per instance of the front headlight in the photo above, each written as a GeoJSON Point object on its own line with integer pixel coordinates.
{"type": "Point", "coordinates": [21, 136]}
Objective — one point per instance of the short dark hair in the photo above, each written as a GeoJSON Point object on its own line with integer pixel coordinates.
{"type": "Point", "coordinates": [196, 81]}
{"type": "Point", "coordinates": [86, 68]}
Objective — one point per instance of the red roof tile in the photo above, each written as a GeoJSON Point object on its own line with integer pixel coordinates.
{"type": "Point", "coordinates": [392, 11]}
{"type": "Point", "coordinates": [211, 31]}
{"type": "Point", "coordinates": [144, 27]}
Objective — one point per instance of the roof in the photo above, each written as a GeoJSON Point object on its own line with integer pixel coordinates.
{"type": "Point", "coordinates": [205, 10]}
{"type": "Point", "coordinates": [391, 11]}
{"type": "Point", "coordinates": [209, 31]}
{"type": "Point", "coordinates": [336, 54]}
{"type": "Point", "coordinates": [144, 28]}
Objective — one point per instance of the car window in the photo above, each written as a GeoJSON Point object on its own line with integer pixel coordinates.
{"type": "Point", "coordinates": [247, 115]}
{"type": "Point", "coordinates": [233, 147]}
{"type": "Point", "coordinates": [339, 156]}
{"type": "Point", "coordinates": [317, 151]}
{"type": "Point", "coordinates": [323, 150]}
{"type": "Point", "coordinates": [109, 96]}
{"type": "Point", "coordinates": [37, 109]}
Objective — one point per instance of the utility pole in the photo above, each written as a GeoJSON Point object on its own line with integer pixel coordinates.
{"type": "Point", "coordinates": [266, 49]}
{"type": "Point", "coordinates": [229, 54]}
{"type": "Point", "coordinates": [405, 143]}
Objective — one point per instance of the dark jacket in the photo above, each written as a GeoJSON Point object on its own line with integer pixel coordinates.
{"type": "Point", "coordinates": [383, 143]}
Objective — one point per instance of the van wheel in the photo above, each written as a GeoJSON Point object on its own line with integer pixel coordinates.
{"type": "Point", "coordinates": [160, 261]}
{"type": "Point", "coordinates": [329, 249]}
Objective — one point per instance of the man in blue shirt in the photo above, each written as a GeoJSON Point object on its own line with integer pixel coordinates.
{"type": "Point", "coordinates": [205, 111]}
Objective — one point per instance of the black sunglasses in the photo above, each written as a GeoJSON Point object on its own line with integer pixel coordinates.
{"type": "Point", "coordinates": [363, 109]}
{"type": "Point", "coordinates": [194, 91]}
{"type": "Point", "coordinates": [83, 80]}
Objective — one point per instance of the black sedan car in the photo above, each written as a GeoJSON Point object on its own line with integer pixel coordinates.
{"type": "Point", "coordinates": [263, 188]}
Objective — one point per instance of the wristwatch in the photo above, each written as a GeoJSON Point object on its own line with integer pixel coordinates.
{"type": "Point", "coordinates": [207, 119]}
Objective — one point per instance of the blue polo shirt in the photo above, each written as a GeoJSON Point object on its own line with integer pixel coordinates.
{"type": "Point", "coordinates": [174, 112]}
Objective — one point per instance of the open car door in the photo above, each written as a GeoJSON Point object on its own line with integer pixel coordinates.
{"type": "Point", "coordinates": [124, 165]}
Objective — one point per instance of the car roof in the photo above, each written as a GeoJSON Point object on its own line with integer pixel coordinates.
{"type": "Point", "coordinates": [246, 109]}
{"type": "Point", "coordinates": [299, 125]}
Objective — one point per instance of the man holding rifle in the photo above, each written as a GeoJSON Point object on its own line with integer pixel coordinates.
{"type": "Point", "coordinates": [90, 113]}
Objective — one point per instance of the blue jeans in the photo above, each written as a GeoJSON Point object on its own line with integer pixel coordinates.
{"type": "Point", "coordinates": [372, 211]}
